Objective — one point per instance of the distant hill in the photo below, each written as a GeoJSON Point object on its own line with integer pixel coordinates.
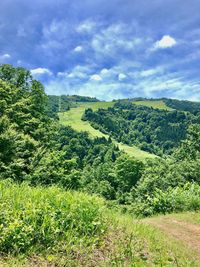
{"type": "Point", "coordinates": [183, 105]}
{"type": "Point", "coordinates": [63, 103]}
{"type": "Point", "coordinates": [168, 103]}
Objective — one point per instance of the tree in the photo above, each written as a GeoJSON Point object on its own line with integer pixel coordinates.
{"type": "Point", "coordinates": [129, 171]}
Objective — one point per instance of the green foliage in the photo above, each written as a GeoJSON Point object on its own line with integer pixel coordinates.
{"type": "Point", "coordinates": [183, 105]}
{"type": "Point", "coordinates": [128, 172]}
{"type": "Point", "coordinates": [34, 220]}
{"type": "Point", "coordinates": [83, 99]}
{"type": "Point", "coordinates": [57, 104]}
{"type": "Point", "coordinates": [171, 185]}
{"type": "Point", "coordinates": [190, 148]}
{"type": "Point", "coordinates": [22, 122]}
{"type": "Point", "coordinates": [33, 147]}
{"type": "Point", "coordinates": [63, 103]}
{"type": "Point", "coordinates": [174, 199]}
{"type": "Point", "coordinates": [37, 149]}
{"type": "Point", "coordinates": [75, 118]}
{"type": "Point", "coordinates": [154, 130]}
{"type": "Point", "coordinates": [113, 180]}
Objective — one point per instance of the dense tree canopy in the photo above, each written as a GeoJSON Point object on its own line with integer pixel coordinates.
{"type": "Point", "coordinates": [154, 130]}
{"type": "Point", "coordinates": [193, 107]}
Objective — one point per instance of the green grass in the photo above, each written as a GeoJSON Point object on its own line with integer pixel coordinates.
{"type": "Point", "coordinates": [73, 118]}
{"type": "Point", "coordinates": [52, 227]}
{"type": "Point", "coordinates": [159, 104]}
{"type": "Point", "coordinates": [191, 217]}
{"type": "Point", "coordinates": [48, 220]}
{"type": "Point", "coordinates": [150, 247]}
{"type": "Point", "coordinates": [134, 151]}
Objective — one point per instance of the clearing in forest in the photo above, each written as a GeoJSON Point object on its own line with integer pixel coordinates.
{"type": "Point", "coordinates": [159, 104]}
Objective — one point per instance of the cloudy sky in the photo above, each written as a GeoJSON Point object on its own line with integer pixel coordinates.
{"type": "Point", "coordinates": [106, 48]}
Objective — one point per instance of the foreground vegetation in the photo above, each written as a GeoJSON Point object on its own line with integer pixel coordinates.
{"type": "Point", "coordinates": [35, 220]}
{"type": "Point", "coordinates": [51, 226]}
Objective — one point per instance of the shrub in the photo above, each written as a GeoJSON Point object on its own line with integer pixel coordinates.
{"type": "Point", "coordinates": [177, 199]}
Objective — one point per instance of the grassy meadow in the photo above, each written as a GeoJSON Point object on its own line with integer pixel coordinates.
{"type": "Point", "coordinates": [159, 104]}
{"type": "Point", "coordinates": [73, 117]}
{"type": "Point", "coordinates": [134, 151]}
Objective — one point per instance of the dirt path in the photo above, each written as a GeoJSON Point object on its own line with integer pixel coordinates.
{"type": "Point", "coordinates": [186, 232]}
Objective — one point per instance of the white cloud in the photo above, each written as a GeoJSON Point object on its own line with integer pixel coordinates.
{"type": "Point", "coordinates": [62, 74]}
{"type": "Point", "coordinates": [104, 71]}
{"type": "Point", "coordinates": [78, 49]}
{"type": "Point", "coordinates": [41, 71]}
{"type": "Point", "coordinates": [166, 42]}
{"type": "Point", "coordinates": [55, 36]}
{"type": "Point", "coordinates": [86, 26]}
{"type": "Point", "coordinates": [21, 32]}
{"type": "Point", "coordinates": [150, 72]}
{"type": "Point", "coordinates": [108, 87]}
{"type": "Point", "coordinates": [104, 91]}
{"type": "Point", "coordinates": [95, 77]}
{"type": "Point", "coordinates": [5, 57]}
{"type": "Point", "coordinates": [19, 62]}
{"type": "Point", "coordinates": [121, 76]}
{"type": "Point", "coordinates": [78, 72]}
{"type": "Point", "coordinates": [114, 40]}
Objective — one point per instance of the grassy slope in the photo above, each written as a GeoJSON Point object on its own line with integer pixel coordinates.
{"type": "Point", "coordinates": [127, 242]}
{"type": "Point", "coordinates": [51, 227]}
{"type": "Point", "coordinates": [73, 118]}
{"type": "Point", "coordinates": [153, 103]}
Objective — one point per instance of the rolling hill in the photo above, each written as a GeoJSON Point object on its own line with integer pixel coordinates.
{"type": "Point", "coordinates": [160, 104]}
{"type": "Point", "coordinates": [73, 118]}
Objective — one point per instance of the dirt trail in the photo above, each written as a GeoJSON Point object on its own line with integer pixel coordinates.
{"type": "Point", "coordinates": [186, 232]}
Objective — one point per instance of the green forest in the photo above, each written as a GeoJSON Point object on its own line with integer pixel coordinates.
{"type": "Point", "coordinates": [66, 196]}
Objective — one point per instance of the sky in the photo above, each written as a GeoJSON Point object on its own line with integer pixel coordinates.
{"type": "Point", "coordinates": [107, 49]}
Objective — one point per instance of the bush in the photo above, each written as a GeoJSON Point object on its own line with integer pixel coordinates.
{"type": "Point", "coordinates": [40, 219]}
{"type": "Point", "coordinates": [177, 199]}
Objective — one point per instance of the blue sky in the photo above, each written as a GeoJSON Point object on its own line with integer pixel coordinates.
{"type": "Point", "coordinates": [108, 49]}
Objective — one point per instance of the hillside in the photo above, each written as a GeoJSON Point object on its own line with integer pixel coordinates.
{"type": "Point", "coordinates": [160, 104]}
{"type": "Point", "coordinates": [73, 118]}
{"type": "Point", "coordinates": [155, 130]}
{"type": "Point", "coordinates": [74, 198]}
